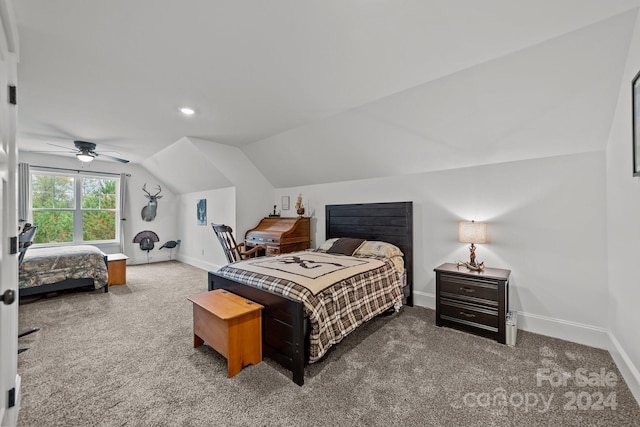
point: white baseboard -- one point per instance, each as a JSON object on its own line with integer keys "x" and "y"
{"x": 628, "y": 370}
{"x": 552, "y": 327}
{"x": 204, "y": 265}
{"x": 580, "y": 333}
{"x": 424, "y": 299}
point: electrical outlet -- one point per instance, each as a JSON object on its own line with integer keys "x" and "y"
{"x": 203, "y": 252}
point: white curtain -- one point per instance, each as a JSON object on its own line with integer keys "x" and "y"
{"x": 23, "y": 192}
{"x": 123, "y": 198}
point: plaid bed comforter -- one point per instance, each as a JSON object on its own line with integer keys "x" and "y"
{"x": 338, "y": 309}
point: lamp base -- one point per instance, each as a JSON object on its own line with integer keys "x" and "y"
{"x": 474, "y": 266}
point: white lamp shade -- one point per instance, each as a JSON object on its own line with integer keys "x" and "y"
{"x": 472, "y": 232}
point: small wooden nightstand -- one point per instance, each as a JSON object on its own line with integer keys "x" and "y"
{"x": 474, "y": 301}
{"x": 117, "y": 267}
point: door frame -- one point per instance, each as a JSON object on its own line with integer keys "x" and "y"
{"x": 9, "y": 378}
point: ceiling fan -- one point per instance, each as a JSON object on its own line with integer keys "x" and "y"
{"x": 86, "y": 152}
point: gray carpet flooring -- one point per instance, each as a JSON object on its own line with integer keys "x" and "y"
{"x": 126, "y": 358}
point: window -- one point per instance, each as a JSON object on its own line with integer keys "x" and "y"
{"x": 74, "y": 208}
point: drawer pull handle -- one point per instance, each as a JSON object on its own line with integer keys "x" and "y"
{"x": 467, "y": 314}
{"x": 468, "y": 290}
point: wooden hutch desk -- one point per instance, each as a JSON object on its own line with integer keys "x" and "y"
{"x": 280, "y": 235}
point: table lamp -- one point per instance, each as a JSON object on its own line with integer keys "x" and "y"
{"x": 472, "y": 232}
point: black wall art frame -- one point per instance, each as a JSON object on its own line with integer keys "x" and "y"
{"x": 635, "y": 108}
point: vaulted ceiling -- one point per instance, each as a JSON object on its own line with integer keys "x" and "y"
{"x": 322, "y": 91}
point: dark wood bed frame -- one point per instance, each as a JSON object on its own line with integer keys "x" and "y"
{"x": 60, "y": 286}
{"x": 284, "y": 325}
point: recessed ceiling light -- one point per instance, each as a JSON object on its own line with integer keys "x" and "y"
{"x": 187, "y": 111}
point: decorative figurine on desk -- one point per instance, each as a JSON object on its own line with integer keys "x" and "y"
{"x": 299, "y": 206}
{"x": 274, "y": 212}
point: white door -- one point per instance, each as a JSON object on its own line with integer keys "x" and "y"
{"x": 9, "y": 379}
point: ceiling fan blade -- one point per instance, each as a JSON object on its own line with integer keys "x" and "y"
{"x": 117, "y": 159}
{"x": 52, "y": 152}
{"x": 42, "y": 136}
{"x": 71, "y": 150}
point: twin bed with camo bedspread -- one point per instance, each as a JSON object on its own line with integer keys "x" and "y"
{"x": 53, "y": 269}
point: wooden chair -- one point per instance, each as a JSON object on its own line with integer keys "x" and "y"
{"x": 233, "y": 250}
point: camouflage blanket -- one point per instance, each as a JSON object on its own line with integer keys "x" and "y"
{"x": 43, "y": 266}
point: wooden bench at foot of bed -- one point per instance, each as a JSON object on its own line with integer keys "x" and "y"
{"x": 283, "y": 324}
{"x": 231, "y": 325}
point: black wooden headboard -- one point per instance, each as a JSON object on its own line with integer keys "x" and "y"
{"x": 388, "y": 222}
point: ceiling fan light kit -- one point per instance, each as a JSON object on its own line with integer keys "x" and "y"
{"x": 85, "y": 157}
{"x": 86, "y": 151}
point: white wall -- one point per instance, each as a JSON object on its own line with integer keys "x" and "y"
{"x": 240, "y": 206}
{"x": 623, "y": 225}
{"x": 181, "y": 156}
{"x": 164, "y": 225}
{"x": 546, "y": 223}
{"x": 253, "y": 192}
{"x": 199, "y": 245}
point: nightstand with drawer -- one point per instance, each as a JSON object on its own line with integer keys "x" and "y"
{"x": 474, "y": 301}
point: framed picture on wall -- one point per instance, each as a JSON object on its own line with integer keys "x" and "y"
{"x": 285, "y": 203}
{"x": 202, "y": 212}
{"x": 635, "y": 108}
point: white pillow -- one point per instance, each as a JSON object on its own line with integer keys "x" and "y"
{"x": 326, "y": 245}
{"x": 375, "y": 248}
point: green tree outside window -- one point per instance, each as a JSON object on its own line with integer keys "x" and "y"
{"x": 57, "y": 214}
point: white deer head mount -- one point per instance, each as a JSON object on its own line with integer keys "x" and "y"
{"x": 149, "y": 211}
